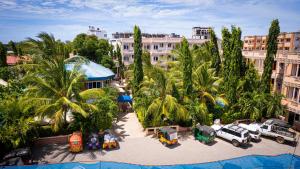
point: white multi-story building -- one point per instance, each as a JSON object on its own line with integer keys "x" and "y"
{"x": 100, "y": 33}
{"x": 159, "y": 47}
{"x": 201, "y": 32}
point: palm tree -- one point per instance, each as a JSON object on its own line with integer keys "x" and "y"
{"x": 206, "y": 86}
{"x": 48, "y": 46}
{"x": 156, "y": 102}
{"x": 53, "y": 92}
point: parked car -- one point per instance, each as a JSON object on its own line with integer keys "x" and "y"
{"x": 253, "y": 131}
{"x": 278, "y": 129}
{"x": 233, "y": 133}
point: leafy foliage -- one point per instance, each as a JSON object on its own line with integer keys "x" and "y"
{"x": 138, "y": 73}
{"x": 274, "y": 31}
{"x": 3, "y": 53}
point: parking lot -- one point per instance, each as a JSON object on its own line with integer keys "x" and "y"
{"x": 139, "y": 149}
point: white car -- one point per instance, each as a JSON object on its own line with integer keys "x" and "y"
{"x": 233, "y": 133}
{"x": 253, "y": 131}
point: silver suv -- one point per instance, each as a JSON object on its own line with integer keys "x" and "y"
{"x": 233, "y": 133}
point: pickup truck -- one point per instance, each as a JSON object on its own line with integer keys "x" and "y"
{"x": 277, "y": 129}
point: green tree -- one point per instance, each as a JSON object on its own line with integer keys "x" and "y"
{"x": 206, "y": 87}
{"x": 138, "y": 73}
{"x": 119, "y": 57}
{"x": 155, "y": 103}
{"x": 3, "y": 53}
{"x": 214, "y": 50}
{"x": 53, "y": 91}
{"x": 274, "y": 31}
{"x": 187, "y": 66}
{"x": 46, "y": 45}
{"x": 13, "y": 47}
{"x": 233, "y": 62}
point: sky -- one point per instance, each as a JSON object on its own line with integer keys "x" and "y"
{"x": 20, "y": 19}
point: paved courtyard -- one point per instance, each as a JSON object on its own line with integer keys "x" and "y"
{"x": 137, "y": 148}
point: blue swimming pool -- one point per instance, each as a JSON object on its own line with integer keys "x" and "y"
{"x": 284, "y": 161}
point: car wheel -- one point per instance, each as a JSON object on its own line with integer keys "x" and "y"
{"x": 235, "y": 143}
{"x": 280, "y": 140}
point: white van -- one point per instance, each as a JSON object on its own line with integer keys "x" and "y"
{"x": 253, "y": 131}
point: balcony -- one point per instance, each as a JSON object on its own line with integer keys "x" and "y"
{"x": 291, "y": 81}
{"x": 291, "y": 104}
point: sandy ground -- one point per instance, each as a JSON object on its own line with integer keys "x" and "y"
{"x": 136, "y": 148}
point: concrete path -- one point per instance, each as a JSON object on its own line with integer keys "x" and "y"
{"x": 128, "y": 126}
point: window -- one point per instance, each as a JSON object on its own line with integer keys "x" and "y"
{"x": 257, "y": 48}
{"x": 286, "y": 48}
{"x": 161, "y": 45}
{"x": 288, "y": 40}
{"x": 155, "y": 58}
{"x": 169, "y": 45}
{"x": 148, "y": 47}
{"x": 258, "y": 41}
{"x": 155, "y": 47}
{"x": 225, "y": 130}
{"x": 281, "y": 40}
{"x": 132, "y": 56}
{"x": 126, "y": 58}
{"x": 263, "y": 41}
{"x": 125, "y": 47}
{"x": 297, "y": 117}
{"x": 262, "y": 48}
{"x": 296, "y": 92}
{"x": 90, "y": 85}
{"x": 264, "y": 127}
{"x": 99, "y": 84}
{"x": 132, "y": 45}
{"x": 94, "y": 84}
{"x": 246, "y": 41}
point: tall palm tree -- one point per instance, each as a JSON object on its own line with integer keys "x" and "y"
{"x": 48, "y": 46}
{"x": 162, "y": 107}
{"x": 206, "y": 85}
{"x": 53, "y": 92}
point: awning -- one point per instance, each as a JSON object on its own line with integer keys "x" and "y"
{"x": 124, "y": 99}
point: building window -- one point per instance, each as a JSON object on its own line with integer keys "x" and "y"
{"x": 263, "y": 41}
{"x": 90, "y": 85}
{"x": 258, "y": 41}
{"x": 297, "y": 117}
{"x": 125, "y": 47}
{"x": 246, "y": 41}
{"x": 286, "y": 48}
{"x": 281, "y": 40}
{"x": 126, "y": 58}
{"x": 155, "y": 47}
{"x": 99, "y": 84}
{"x": 169, "y": 45}
{"x": 155, "y": 58}
{"x": 262, "y": 48}
{"x": 161, "y": 45}
{"x": 132, "y": 56}
{"x": 288, "y": 40}
{"x": 148, "y": 47}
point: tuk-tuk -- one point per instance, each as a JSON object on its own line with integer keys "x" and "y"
{"x": 75, "y": 142}
{"x": 109, "y": 140}
{"x": 167, "y": 136}
{"x": 204, "y": 133}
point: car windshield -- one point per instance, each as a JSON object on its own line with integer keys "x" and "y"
{"x": 246, "y": 134}
{"x": 254, "y": 132}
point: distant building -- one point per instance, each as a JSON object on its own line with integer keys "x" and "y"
{"x": 100, "y": 33}
{"x": 286, "y": 69}
{"x": 159, "y": 46}
{"x": 121, "y": 35}
{"x": 201, "y": 33}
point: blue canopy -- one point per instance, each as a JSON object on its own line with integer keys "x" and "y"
{"x": 92, "y": 70}
{"x": 124, "y": 99}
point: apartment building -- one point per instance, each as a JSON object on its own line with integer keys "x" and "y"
{"x": 201, "y": 32}
{"x": 159, "y": 47}
{"x": 286, "y": 69}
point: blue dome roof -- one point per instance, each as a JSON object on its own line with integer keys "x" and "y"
{"x": 92, "y": 70}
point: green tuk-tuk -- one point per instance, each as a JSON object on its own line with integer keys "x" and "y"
{"x": 204, "y": 133}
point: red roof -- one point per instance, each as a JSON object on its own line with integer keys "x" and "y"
{"x": 12, "y": 60}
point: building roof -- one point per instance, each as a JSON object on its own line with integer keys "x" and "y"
{"x": 92, "y": 70}
{"x": 12, "y": 60}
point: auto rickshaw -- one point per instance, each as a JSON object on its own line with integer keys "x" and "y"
{"x": 75, "y": 142}
{"x": 93, "y": 141}
{"x": 110, "y": 141}
{"x": 204, "y": 133}
{"x": 167, "y": 136}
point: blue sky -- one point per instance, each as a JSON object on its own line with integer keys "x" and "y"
{"x": 20, "y": 19}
